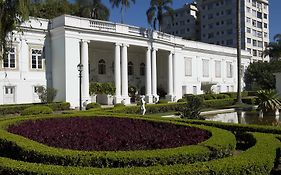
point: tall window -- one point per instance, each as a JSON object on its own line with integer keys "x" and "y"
{"x": 188, "y": 66}
{"x": 10, "y": 61}
{"x": 229, "y": 70}
{"x": 130, "y": 68}
{"x": 142, "y": 69}
{"x": 101, "y": 67}
{"x": 36, "y": 59}
{"x": 218, "y": 69}
{"x": 205, "y": 68}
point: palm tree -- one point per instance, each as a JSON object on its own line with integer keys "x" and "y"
{"x": 268, "y": 100}
{"x": 238, "y": 31}
{"x": 273, "y": 50}
{"x": 125, "y": 4}
{"x": 94, "y": 9}
{"x": 156, "y": 11}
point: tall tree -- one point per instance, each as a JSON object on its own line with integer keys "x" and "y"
{"x": 12, "y": 14}
{"x": 156, "y": 12}
{"x": 51, "y": 8}
{"x": 94, "y": 9}
{"x": 273, "y": 50}
{"x": 125, "y": 4}
{"x": 238, "y": 32}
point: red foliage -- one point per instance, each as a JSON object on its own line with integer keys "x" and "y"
{"x": 108, "y": 134}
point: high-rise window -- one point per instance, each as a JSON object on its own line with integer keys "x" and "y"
{"x": 10, "y": 61}
{"x": 36, "y": 59}
{"x": 259, "y": 24}
{"x": 254, "y": 42}
{"x": 249, "y": 40}
{"x": 248, "y": 30}
{"x": 259, "y": 15}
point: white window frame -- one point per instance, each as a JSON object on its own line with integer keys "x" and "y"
{"x": 218, "y": 69}
{"x": 38, "y": 56}
{"x": 205, "y": 67}
{"x": 229, "y": 69}
{"x": 9, "y": 59}
{"x": 188, "y": 67}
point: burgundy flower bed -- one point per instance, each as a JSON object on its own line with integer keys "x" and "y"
{"x": 108, "y": 134}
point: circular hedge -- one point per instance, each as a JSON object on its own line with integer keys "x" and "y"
{"x": 28, "y": 150}
{"x": 109, "y": 134}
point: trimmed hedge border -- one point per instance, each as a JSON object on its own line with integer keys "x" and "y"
{"x": 258, "y": 159}
{"x": 28, "y": 150}
{"x": 171, "y": 107}
{"x": 17, "y": 109}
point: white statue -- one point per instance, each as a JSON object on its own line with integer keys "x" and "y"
{"x": 143, "y": 105}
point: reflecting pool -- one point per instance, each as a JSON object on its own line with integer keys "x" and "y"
{"x": 244, "y": 117}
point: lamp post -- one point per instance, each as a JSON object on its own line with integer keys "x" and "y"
{"x": 80, "y": 69}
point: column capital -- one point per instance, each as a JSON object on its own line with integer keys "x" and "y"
{"x": 117, "y": 44}
{"x": 154, "y": 49}
{"x": 125, "y": 45}
{"x": 85, "y": 41}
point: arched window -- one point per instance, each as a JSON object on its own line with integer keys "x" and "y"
{"x": 101, "y": 67}
{"x": 130, "y": 68}
{"x": 142, "y": 69}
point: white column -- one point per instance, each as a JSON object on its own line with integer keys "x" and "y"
{"x": 124, "y": 69}
{"x": 154, "y": 74}
{"x": 117, "y": 73}
{"x": 170, "y": 81}
{"x": 85, "y": 72}
{"x": 148, "y": 77}
{"x": 178, "y": 72}
{"x": 174, "y": 74}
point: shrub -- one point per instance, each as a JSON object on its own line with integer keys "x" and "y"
{"x": 162, "y": 101}
{"x": 119, "y": 105}
{"x": 218, "y": 103}
{"x": 93, "y": 106}
{"x": 206, "y": 87}
{"x": 249, "y": 100}
{"x": 181, "y": 100}
{"x": 35, "y": 110}
{"x": 46, "y": 95}
{"x": 102, "y": 88}
{"x": 193, "y": 107}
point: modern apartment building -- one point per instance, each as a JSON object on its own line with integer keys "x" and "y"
{"x": 185, "y": 23}
{"x": 217, "y": 19}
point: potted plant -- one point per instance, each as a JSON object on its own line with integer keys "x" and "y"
{"x": 103, "y": 91}
{"x": 268, "y": 102}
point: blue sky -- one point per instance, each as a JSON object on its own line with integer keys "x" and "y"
{"x": 136, "y": 15}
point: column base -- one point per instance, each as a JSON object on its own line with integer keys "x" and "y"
{"x": 149, "y": 99}
{"x": 170, "y": 98}
{"x": 123, "y": 100}
{"x": 117, "y": 99}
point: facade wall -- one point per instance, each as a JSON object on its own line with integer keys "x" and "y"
{"x": 73, "y": 40}
{"x": 19, "y": 81}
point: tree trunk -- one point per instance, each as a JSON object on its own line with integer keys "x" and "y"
{"x": 238, "y": 33}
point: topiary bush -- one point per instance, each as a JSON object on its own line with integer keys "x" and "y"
{"x": 193, "y": 107}
{"x": 181, "y": 100}
{"x": 93, "y": 106}
{"x": 162, "y": 101}
{"x": 35, "y": 110}
{"x": 119, "y": 105}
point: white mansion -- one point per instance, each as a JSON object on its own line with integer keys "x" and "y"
{"x": 47, "y": 53}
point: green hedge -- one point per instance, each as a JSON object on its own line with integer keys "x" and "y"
{"x": 21, "y": 148}
{"x": 35, "y": 110}
{"x": 18, "y": 108}
{"x": 93, "y": 106}
{"x": 171, "y": 107}
{"x": 258, "y": 159}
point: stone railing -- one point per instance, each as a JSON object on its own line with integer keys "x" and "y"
{"x": 100, "y": 25}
